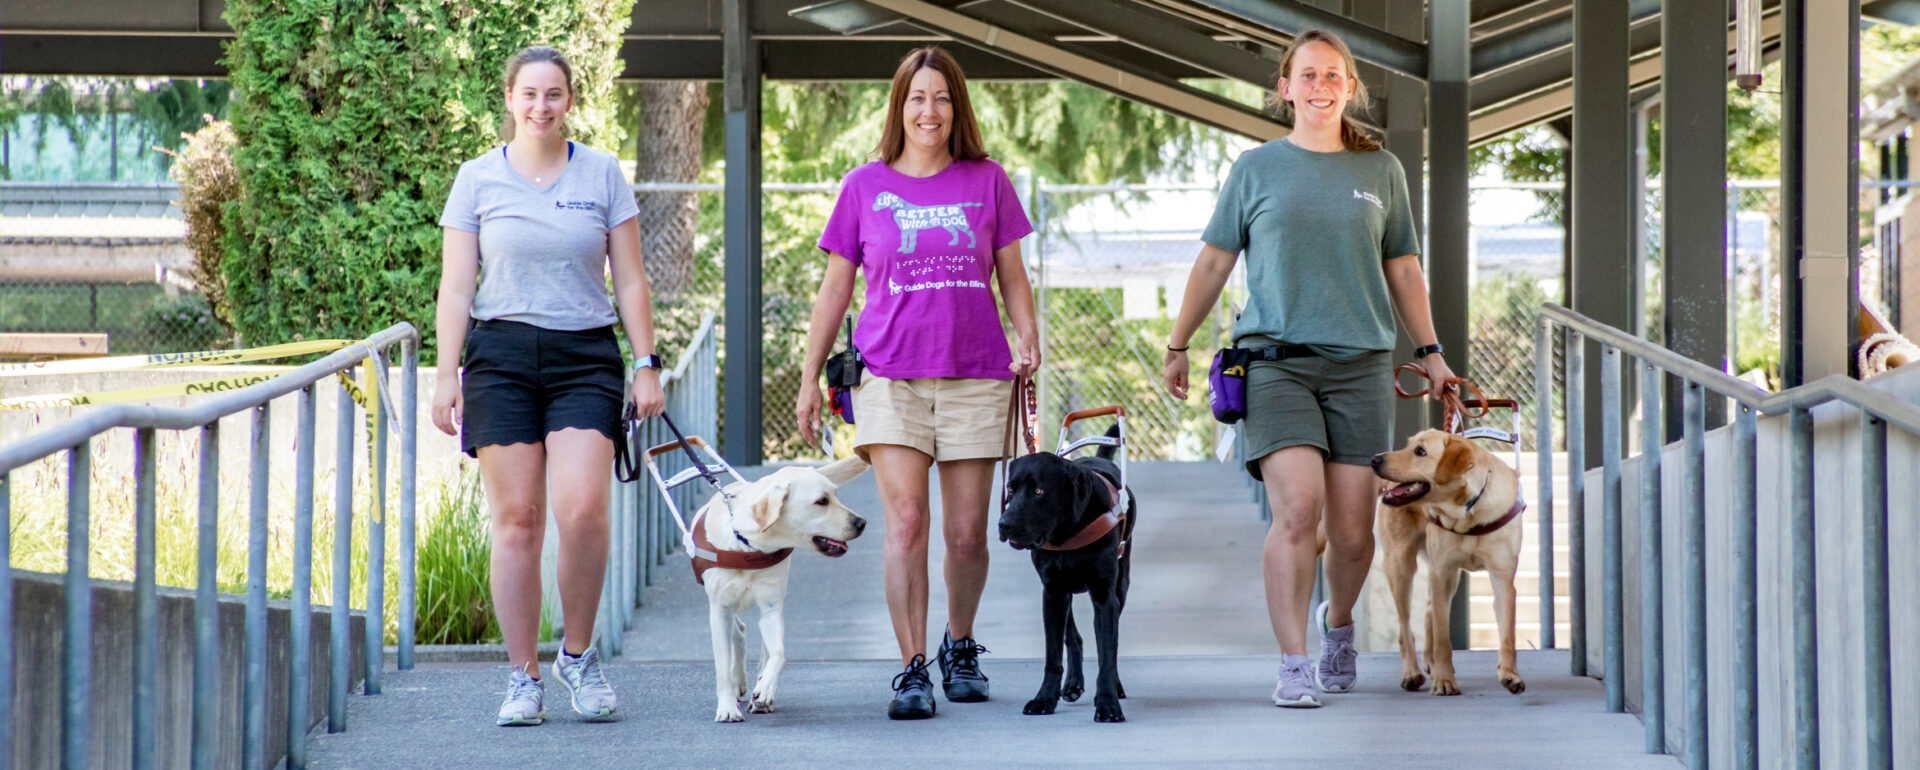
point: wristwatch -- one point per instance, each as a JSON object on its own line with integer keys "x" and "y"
{"x": 1426, "y": 350}
{"x": 648, "y": 361}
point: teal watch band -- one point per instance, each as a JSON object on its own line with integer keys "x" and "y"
{"x": 648, "y": 361}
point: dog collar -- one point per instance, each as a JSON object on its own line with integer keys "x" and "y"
{"x": 1099, "y": 527}
{"x": 706, "y": 557}
{"x": 1519, "y": 504}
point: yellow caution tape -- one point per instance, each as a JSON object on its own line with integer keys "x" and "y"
{"x": 164, "y": 360}
{"x": 202, "y": 387}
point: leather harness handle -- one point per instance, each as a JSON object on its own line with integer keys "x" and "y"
{"x": 1020, "y": 408}
{"x": 1101, "y": 411}
{"x": 672, "y": 445}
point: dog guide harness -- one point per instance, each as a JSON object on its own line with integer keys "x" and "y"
{"x": 706, "y": 557}
{"x": 1099, "y": 527}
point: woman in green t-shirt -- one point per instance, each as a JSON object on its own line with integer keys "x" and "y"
{"x": 1332, "y": 254}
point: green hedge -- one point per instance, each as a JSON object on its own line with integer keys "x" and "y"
{"x": 352, "y": 118}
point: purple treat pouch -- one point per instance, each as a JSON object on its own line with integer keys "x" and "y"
{"x": 1227, "y": 382}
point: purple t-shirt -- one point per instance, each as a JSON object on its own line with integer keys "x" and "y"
{"x": 927, "y": 247}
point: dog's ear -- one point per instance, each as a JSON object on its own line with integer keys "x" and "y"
{"x": 842, "y": 471}
{"x": 766, "y": 510}
{"x": 1455, "y": 460}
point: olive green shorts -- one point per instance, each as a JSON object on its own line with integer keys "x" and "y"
{"x": 1344, "y": 408}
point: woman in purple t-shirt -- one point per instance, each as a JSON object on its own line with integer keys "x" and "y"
{"x": 932, "y": 222}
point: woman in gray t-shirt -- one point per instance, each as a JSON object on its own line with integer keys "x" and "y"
{"x": 538, "y": 224}
{"x": 1324, "y": 220}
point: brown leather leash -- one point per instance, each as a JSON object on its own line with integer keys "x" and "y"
{"x": 1023, "y": 410}
{"x": 1453, "y": 407}
{"x": 1453, "y": 410}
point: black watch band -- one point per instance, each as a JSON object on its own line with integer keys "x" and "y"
{"x": 1426, "y": 350}
{"x": 648, "y": 361}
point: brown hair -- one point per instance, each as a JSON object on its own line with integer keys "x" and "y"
{"x": 963, "y": 142}
{"x": 1352, "y": 136}
{"x": 530, "y": 55}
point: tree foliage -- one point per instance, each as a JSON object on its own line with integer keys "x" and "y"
{"x": 352, "y": 119}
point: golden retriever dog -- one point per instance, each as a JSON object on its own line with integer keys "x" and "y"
{"x": 1461, "y": 504}
{"x": 794, "y": 507}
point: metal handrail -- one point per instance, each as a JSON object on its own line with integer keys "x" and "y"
{"x": 1878, "y": 409}
{"x": 75, "y": 438}
{"x": 1838, "y": 387}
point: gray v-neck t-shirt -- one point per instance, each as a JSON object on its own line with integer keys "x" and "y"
{"x": 543, "y": 249}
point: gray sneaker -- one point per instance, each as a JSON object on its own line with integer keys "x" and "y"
{"x": 593, "y": 698}
{"x": 524, "y": 706}
{"x": 1335, "y": 671}
{"x": 1295, "y": 689}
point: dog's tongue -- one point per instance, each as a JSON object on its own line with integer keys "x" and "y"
{"x": 1404, "y": 493}
{"x": 830, "y": 547}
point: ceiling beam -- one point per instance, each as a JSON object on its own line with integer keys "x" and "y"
{"x": 1147, "y": 88}
{"x": 1369, "y": 43}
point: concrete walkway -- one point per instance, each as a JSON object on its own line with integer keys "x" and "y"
{"x": 1199, "y": 667}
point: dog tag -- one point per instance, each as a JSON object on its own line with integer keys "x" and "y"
{"x": 1225, "y": 449}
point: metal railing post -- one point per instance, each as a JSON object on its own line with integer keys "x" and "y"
{"x": 339, "y": 625}
{"x": 1612, "y": 571}
{"x": 146, "y": 600}
{"x": 206, "y": 605}
{"x": 1543, "y": 463}
{"x": 1653, "y": 681}
{"x": 376, "y": 597}
{"x": 76, "y": 678}
{"x": 300, "y": 620}
{"x": 1878, "y": 659}
{"x": 1746, "y": 639}
{"x": 1575, "y": 352}
{"x": 409, "y": 473}
{"x": 1806, "y": 647}
{"x": 6, "y": 622}
{"x": 254, "y": 709}
{"x": 1694, "y": 542}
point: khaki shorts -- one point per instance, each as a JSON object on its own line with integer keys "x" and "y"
{"x": 946, "y": 418}
{"x": 1345, "y": 409}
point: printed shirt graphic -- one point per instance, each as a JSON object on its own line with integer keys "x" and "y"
{"x": 926, "y": 246}
{"x": 1315, "y": 227}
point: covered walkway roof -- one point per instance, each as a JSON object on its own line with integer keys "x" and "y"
{"x": 1521, "y": 67}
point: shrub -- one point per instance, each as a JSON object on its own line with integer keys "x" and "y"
{"x": 204, "y": 169}
{"x": 351, "y": 121}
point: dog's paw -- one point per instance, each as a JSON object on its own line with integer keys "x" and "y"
{"x": 728, "y": 712}
{"x": 1072, "y": 691}
{"x": 1040, "y": 706}
{"x": 1119, "y": 690}
{"x": 1514, "y": 684}
{"x": 1413, "y": 682}
{"x": 759, "y": 705}
{"x": 1445, "y": 686}
{"x": 1107, "y": 709}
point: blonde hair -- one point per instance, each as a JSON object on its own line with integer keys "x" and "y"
{"x": 1352, "y": 136}
{"x": 530, "y": 55}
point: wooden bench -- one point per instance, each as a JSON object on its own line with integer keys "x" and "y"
{"x": 46, "y": 347}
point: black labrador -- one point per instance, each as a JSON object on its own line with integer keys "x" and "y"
{"x": 1050, "y": 502}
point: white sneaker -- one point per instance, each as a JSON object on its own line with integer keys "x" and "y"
{"x": 592, "y": 697}
{"x": 525, "y": 704}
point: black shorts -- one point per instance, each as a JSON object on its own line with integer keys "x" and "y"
{"x": 522, "y": 382}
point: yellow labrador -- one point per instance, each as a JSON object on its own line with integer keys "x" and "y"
{"x": 1461, "y": 504}
{"x": 791, "y": 508}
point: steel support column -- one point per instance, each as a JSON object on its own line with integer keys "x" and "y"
{"x": 1693, "y": 158}
{"x": 1447, "y": 234}
{"x": 1820, "y": 160}
{"x": 743, "y": 321}
{"x": 1602, "y": 279}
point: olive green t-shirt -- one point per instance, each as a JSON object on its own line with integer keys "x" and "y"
{"x": 1316, "y": 227}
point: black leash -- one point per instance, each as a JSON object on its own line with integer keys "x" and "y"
{"x": 627, "y": 470}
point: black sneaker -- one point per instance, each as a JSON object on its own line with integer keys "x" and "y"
{"x": 960, "y": 669}
{"x": 912, "y": 692}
